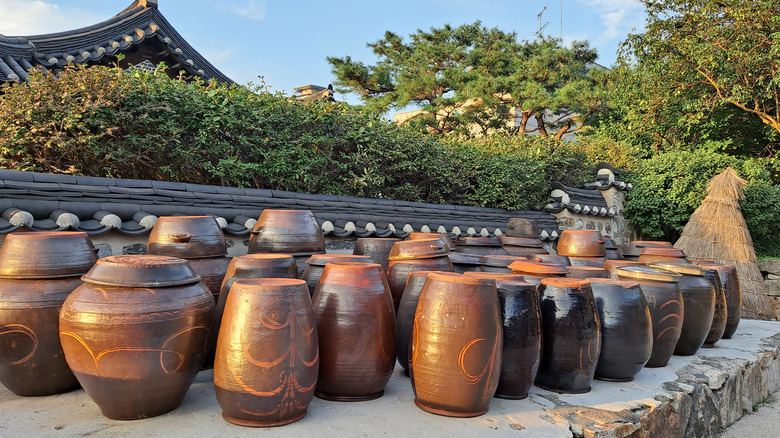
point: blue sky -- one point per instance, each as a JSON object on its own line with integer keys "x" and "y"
{"x": 287, "y": 41}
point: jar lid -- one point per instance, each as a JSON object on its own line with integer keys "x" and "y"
{"x": 533, "y": 267}
{"x": 463, "y": 258}
{"x": 187, "y": 237}
{"x": 141, "y": 270}
{"x": 520, "y": 241}
{"x": 668, "y": 252}
{"x": 418, "y": 249}
{"x": 499, "y": 260}
{"x": 324, "y": 259}
{"x": 635, "y": 247}
{"x": 46, "y": 254}
{"x": 444, "y": 238}
{"x": 680, "y": 268}
{"x": 648, "y": 273}
{"x": 478, "y": 241}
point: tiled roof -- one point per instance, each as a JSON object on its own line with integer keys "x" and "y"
{"x": 608, "y": 177}
{"x": 40, "y": 201}
{"x": 140, "y": 24}
{"x": 589, "y": 199}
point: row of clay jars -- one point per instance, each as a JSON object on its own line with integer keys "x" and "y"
{"x": 731, "y": 290}
{"x": 38, "y": 271}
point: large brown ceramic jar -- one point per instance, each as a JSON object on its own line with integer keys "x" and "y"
{"x": 519, "y": 305}
{"x": 479, "y": 245}
{"x": 288, "y": 232}
{"x": 653, "y": 255}
{"x": 316, "y": 264}
{"x": 247, "y": 267}
{"x": 581, "y": 243}
{"x": 499, "y": 263}
{"x": 356, "y": 328}
{"x": 187, "y": 237}
{"x": 586, "y": 272}
{"x": 268, "y": 357}
{"x": 733, "y": 292}
{"x": 376, "y": 248}
{"x": 456, "y": 345}
{"x": 405, "y": 317}
{"x": 415, "y": 255}
{"x": 521, "y": 246}
{"x": 462, "y": 262}
{"x": 37, "y": 273}
{"x": 135, "y": 333}
{"x": 699, "y": 306}
{"x": 718, "y": 326}
{"x": 635, "y": 247}
{"x": 665, "y": 302}
{"x": 535, "y": 271}
{"x": 571, "y": 335}
{"x": 612, "y": 266}
{"x": 626, "y": 329}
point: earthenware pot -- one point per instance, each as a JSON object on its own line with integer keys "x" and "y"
{"x": 581, "y": 243}
{"x": 268, "y": 357}
{"x": 187, "y": 237}
{"x": 652, "y": 255}
{"x": 665, "y": 302}
{"x": 613, "y": 251}
{"x": 456, "y": 345}
{"x": 496, "y": 276}
{"x": 316, "y": 264}
{"x": 31, "y": 359}
{"x": 521, "y": 246}
{"x": 288, "y": 232}
{"x": 376, "y": 248}
{"x": 612, "y": 266}
{"x": 479, "y": 245}
{"x": 720, "y": 316}
{"x": 135, "y": 333}
{"x": 635, "y": 247}
{"x": 595, "y": 262}
{"x": 247, "y": 267}
{"x": 356, "y": 330}
{"x": 732, "y": 291}
{"x": 571, "y": 335}
{"x": 699, "y": 306}
{"x": 418, "y": 249}
{"x": 404, "y": 320}
{"x": 398, "y": 273}
{"x": 626, "y": 329}
{"x": 426, "y": 236}
{"x": 534, "y": 271}
{"x": 498, "y": 263}
{"x": 519, "y": 305}
{"x": 586, "y": 272}
{"x": 462, "y": 262}
{"x": 555, "y": 259}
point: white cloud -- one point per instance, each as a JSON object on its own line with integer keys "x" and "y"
{"x": 25, "y": 17}
{"x": 618, "y": 16}
{"x": 250, "y": 9}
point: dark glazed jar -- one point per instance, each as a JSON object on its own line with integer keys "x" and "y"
{"x": 654, "y": 255}
{"x": 316, "y": 264}
{"x": 456, "y": 345}
{"x": 586, "y": 272}
{"x": 479, "y": 245}
{"x": 699, "y": 306}
{"x": 405, "y": 317}
{"x": 246, "y": 267}
{"x": 571, "y": 335}
{"x": 626, "y": 329}
{"x": 288, "y": 232}
{"x": 187, "y": 237}
{"x": 521, "y": 246}
{"x": 522, "y": 346}
{"x": 268, "y": 357}
{"x": 135, "y": 333}
{"x": 595, "y": 262}
{"x": 613, "y": 251}
{"x": 635, "y": 247}
{"x": 612, "y": 266}
{"x": 376, "y": 248}
{"x": 665, "y": 302}
{"x": 38, "y": 271}
{"x": 718, "y": 326}
{"x": 462, "y": 262}
{"x": 733, "y": 292}
{"x": 356, "y": 329}
{"x": 399, "y": 270}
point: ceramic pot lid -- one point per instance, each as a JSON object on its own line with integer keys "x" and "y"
{"x": 538, "y": 268}
{"x": 648, "y": 273}
{"x": 141, "y": 270}
{"x": 46, "y": 254}
{"x": 418, "y": 249}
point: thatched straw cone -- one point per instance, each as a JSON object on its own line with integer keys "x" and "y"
{"x": 717, "y": 232}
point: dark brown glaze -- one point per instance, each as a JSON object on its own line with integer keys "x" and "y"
{"x": 398, "y": 273}
{"x": 242, "y": 268}
{"x": 587, "y": 272}
{"x": 404, "y": 320}
{"x": 522, "y": 346}
{"x": 520, "y": 246}
{"x": 733, "y": 292}
{"x": 614, "y": 252}
{"x": 187, "y": 237}
{"x": 571, "y": 335}
{"x": 596, "y": 262}
{"x": 653, "y": 255}
{"x": 581, "y": 243}
{"x": 136, "y": 349}
{"x": 456, "y": 345}
{"x": 356, "y": 325}
{"x": 720, "y": 316}
{"x": 268, "y": 357}
{"x": 699, "y": 306}
{"x": 479, "y": 245}
{"x": 498, "y": 262}
{"x": 316, "y": 264}
{"x": 46, "y": 254}
{"x": 442, "y": 236}
{"x": 31, "y": 359}
{"x": 635, "y": 247}
{"x": 288, "y": 232}
{"x": 462, "y": 262}
{"x": 626, "y": 329}
{"x": 418, "y": 249}
{"x": 376, "y": 248}
{"x": 534, "y": 270}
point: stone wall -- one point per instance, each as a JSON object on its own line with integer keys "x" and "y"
{"x": 770, "y": 269}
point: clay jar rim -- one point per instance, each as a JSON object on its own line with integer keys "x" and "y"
{"x": 255, "y": 262}
{"x": 418, "y": 249}
{"x": 324, "y": 259}
{"x": 16, "y": 249}
{"x": 680, "y": 268}
{"x": 270, "y": 284}
{"x": 536, "y": 268}
{"x": 640, "y": 272}
{"x": 425, "y": 236}
{"x": 564, "y": 282}
{"x": 667, "y": 252}
{"x": 628, "y": 284}
{"x": 351, "y": 274}
{"x": 521, "y": 241}
{"x": 635, "y": 247}
{"x": 148, "y": 270}
{"x": 422, "y": 273}
{"x": 453, "y": 277}
{"x": 498, "y": 277}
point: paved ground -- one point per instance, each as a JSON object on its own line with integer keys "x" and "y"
{"x": 761, "y": 423}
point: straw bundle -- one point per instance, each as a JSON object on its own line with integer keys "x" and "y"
{"x": 717, "y": 232}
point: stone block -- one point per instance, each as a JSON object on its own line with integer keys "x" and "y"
{"x": 136, "y": 248}
{"x": 705, "y": 416}
{"x": 771, "y": 266}
{"x": 772, "y": 287}
{"x": 104, "y": 250}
